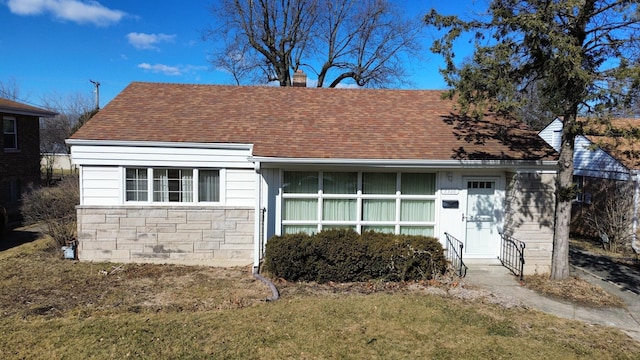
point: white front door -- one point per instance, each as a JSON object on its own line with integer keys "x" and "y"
{"x": 481, "y": 219}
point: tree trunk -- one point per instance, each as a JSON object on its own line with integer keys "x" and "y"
{"x": 565, "y": 193}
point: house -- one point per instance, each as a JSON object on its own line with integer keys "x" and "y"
{"x": 20, "y": 151}
{"x": 601, "y": 163}
{"x": 205, "y": 174}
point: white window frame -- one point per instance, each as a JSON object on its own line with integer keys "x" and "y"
{"x": 360, "y": 197}
{"x": 14, "y": 133}
{"x": 195, "y": 184}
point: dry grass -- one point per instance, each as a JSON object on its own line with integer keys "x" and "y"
{"x": 53, "y": 308}
{"x": 38, "y": 282}
{"x": 574, "y": 290}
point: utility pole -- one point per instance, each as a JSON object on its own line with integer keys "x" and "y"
{"x": 97, "y": 85}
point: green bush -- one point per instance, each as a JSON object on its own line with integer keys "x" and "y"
{"x": 55, "y": 208}
{"x": 344, "y": 255}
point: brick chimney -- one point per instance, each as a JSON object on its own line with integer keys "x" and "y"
{"x": 299, "y": 79}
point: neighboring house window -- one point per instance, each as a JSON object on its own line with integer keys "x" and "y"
{"x": 10, "y": 131}
{"x": 401, "y": 203}
{"x": 172, "y": 185}
{"x": 12, "y": 191}
{"x": 581, "y": 196}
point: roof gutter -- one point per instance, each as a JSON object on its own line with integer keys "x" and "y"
{"x": 19, "y": 111}
{"x": 391, "y": 163}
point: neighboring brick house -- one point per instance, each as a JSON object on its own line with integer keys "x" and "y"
{"x": 202, "y": 174}
{"x": 19, "y": 151}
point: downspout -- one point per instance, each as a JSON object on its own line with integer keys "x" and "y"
{"x": 636, "y": 200}
{"x": 256, "y": 221}
{"x": 257, "y": 243}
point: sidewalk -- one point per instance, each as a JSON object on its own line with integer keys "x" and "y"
{"x": 500, "y": 281}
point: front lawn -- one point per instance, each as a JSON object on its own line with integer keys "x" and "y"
{"x": 54, "y": 308}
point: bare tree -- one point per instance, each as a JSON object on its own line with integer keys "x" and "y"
{"x": 53, "y": 132}
{"x": 338, "y": 40}
{"x": 611, "y": 215}
{"x": 10, "y": 89}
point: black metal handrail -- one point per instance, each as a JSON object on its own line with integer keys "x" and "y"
{"x": 512, "y": 254}
{"x": 454, "y": 254}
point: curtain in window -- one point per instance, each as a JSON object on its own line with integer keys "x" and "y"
{"x": 340, "y": 183}
{"x": 301, "y": 182}
{"x": 186, "y": 185}
{"x": 418, "y": 184}
{"x": 173, "y": 185}
{"x": 417, "y": 230}
{"x": 339, "y": 209}
{"x": 417, "y": 210}
{"x": 160, "y": 185}
{"x": 378, "y": 210}
{"x": 379, "y": 183}
{"x": 331, "y": 227}
{"x": 380, "y": 229}
{"x": 300, "y": 209}
{"x": 294, "y": 229}
{"x": 209, "y": 185}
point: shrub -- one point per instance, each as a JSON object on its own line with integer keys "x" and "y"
{"x": 344, "y": 255}
{"x": 54, "y": 207}
{"x": 611, "y": 215}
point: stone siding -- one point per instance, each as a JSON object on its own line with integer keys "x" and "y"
{"x": 172, "y": 234}
{"x": 530, "y": 207}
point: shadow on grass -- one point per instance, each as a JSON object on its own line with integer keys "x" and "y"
{"x": 18, "y": 236}
{"x": 625, "y": 276}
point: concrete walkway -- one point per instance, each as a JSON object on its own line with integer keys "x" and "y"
{"x": 501, "y": 281}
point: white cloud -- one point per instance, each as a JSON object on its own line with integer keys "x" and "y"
{"x": 78, "y": 11}
{"x": 170, "y": 70}
{"x": 148, "y": 41}
{"x": 161, "y": 68}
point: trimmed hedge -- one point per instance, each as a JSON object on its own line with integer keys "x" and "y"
{"x": 344, "y": 256}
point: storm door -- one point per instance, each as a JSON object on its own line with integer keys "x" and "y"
{"x": 481, "y": 219}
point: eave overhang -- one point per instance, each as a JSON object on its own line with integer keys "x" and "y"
{"x": 271, "y": 162}
{"x": 18, "y": 111}
{"x": 160, "y": 144}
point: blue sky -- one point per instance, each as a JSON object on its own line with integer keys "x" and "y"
{"x": 57, "y": 46}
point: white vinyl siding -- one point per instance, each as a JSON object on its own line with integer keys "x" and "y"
{"x": 552, "y": 134}
{"x": 240, "y": 187}
{"x": 587, "y": 160}
{"x": 100, "y": 185}
{"x": 159, "y": 156}
{"x": 596, "y": 162}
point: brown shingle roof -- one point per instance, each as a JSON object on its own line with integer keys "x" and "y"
{"x": 312, "y": 123}
{"x": 625, "y": 149}
{"x": 13, "y": 107}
